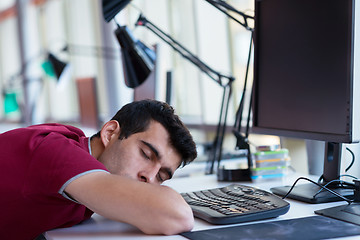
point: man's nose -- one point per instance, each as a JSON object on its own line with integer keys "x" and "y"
{"x": 149, "y": 173}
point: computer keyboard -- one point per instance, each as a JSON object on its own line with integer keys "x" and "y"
{"x": 235, "y": 204}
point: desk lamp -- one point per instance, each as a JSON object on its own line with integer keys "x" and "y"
{"x": 112, "y": 7}
{"x": 215, "y": 154}
{"x": 51, "y": 65}
{"x": 137, "y": 58}
{"x": 57, "y": 67}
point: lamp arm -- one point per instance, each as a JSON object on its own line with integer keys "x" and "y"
{"x": 97, "y": 51}
{"x": 213, "y": 74}
{"x": 225, "y": 7}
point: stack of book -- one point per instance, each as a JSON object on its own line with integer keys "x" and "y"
{"x": 270, "y": 162}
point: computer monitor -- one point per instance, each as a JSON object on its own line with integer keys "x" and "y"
{"x": 306, "y": 83}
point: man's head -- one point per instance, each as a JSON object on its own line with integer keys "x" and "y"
{"x": 136, "y": 116}
{"x": 145, "y": 121}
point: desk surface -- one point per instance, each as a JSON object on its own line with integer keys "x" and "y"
{"x": 101, "y": 228}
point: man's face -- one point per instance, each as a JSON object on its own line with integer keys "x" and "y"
{"x": 146, "y": 156}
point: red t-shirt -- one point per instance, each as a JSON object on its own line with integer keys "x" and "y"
{"x": 36, "y": 163}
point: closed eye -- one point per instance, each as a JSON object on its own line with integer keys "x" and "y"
{"x": 160, "y": 179}
{"x": 145, "y": 155}
{"x": 164, "y": 174}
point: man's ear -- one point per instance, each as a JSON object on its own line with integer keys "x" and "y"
{"x": 109, "y": 131}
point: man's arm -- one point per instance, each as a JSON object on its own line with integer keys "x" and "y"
{"x": 154, "y": 209}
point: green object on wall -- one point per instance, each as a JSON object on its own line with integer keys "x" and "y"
{"x": 10, "y": 103}
{"x": 48, "y": 68}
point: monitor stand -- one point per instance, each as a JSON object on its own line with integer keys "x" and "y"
{"x": 348, "y": 213}
{"x": 310, "y": 192}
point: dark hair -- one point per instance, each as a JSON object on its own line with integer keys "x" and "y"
{"x": 135, "y": 117}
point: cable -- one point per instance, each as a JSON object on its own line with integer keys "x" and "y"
{"x": 352, "y": 186}
{"x": 347, "y": 175}
{"x": 352, "y": 161}
{"x": 349, "y": 201}
{"x": 320, "y": 179}
{"x": 339, "y": 180}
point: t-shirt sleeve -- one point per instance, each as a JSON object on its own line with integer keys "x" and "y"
{"x": 62, "y": 189}
{"x": 55, "y": 161}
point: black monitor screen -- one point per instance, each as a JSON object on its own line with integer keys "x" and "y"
{"x": 303, "y": 68}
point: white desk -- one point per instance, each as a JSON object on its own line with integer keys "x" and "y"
{"x": 100, "y": 228}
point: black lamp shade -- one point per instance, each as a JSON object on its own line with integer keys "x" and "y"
{"x": 113, "y": 7}
{"x": 138, "y": 60}
{"x": 58, "y": 66}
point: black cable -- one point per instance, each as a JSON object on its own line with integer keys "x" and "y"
{"x": 341, "y": 181}
{"x": 320, "y": 179}
{"x": 349, "y": 201}
{"x": 352, "y": 160}
{"x": 347, "y": 175}
{"x": 351, "y": 185}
